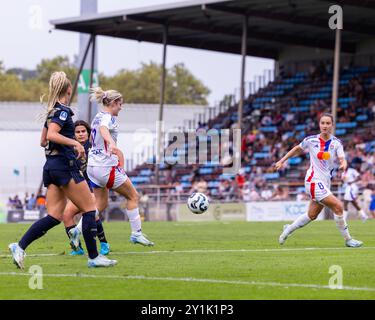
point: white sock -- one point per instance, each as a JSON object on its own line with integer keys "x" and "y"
{"x": 301, "y": 221}
{"x": 345, "y": 214}
{"x": 134, "y": 219}
{"x": 342, "y": 226}
{"x": 79, "y": 225}
{"x": 363, "y": 214}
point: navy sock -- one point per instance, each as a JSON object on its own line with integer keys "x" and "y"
{"x": 101, "y": 234}
{"x": 89, "y": 233}
{"x": 67, "y": 233}
{"x": 37, "y": 230}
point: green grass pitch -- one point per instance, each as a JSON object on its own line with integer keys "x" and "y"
{"x": 195, "y": 261}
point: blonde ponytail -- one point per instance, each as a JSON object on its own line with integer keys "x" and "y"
{"x": 102, "y": 97}
{"x": 58, "y": 85}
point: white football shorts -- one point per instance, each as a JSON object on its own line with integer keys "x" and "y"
{"x": 351, "y": 192}
{"x": 317, "y": 190}
{"x": 106, "y": 177}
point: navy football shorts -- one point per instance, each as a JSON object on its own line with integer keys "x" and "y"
{"x": 60, "y": 177}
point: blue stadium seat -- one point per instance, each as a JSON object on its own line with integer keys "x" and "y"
{"x": 346, "y": 125}
{"x": 261, "y": 155}
{"x": 271, "y": 176}
{"x": 268, "y": 129}
{"x": 204, "y": 171}
{"x": 295, "y": 161}
{"x": 213, "y": 184}
{"x": 361, "y": 117}
{"x": 340, "y": 132}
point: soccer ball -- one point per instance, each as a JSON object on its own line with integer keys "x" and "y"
{"x": 198, "y": 203}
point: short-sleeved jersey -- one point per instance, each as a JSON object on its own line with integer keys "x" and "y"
{"x": 61, "y": 157}
{"x": 350, "y": 175}
{"x": 323, "y": 157}
{"x": 99, "y": 154}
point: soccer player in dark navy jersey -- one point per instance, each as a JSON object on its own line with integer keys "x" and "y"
{"x": 62, "y": 177}
{"x": 82, "y": 133}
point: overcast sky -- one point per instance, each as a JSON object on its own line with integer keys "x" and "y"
{"x": 23, "y": 43}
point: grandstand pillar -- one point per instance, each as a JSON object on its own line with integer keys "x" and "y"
{"x": 93, "y": 49}
{"x": 87, "y": 7}
{"x": 243, "y": 52}
{"x": 75, "y": 84}
{"x": 336, "y": 75}
{"x": 159, "y": 144}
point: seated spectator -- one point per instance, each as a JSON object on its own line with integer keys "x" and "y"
{"x": 226, "y": 190}
{"x": 241, "y": 178}
{"x": 200, "y": 186}
{"x": 266, "y": 194}
{"x": 302, "y": 196}
{"x": 281, "y": 193}
{"x": 249, "y": 193}
{"x": 17, "y": 203}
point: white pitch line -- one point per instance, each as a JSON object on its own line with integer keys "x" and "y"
{"x": 196, "y": 280}
{"x": 205, "y": 251}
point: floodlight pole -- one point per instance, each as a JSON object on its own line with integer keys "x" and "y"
{"x": 243, "y": 65}
{"x": 75, "y": 84}
{"x": 159, "y": 142}
{"x": 336, "y": 75}
{"x": 93, "y": 37}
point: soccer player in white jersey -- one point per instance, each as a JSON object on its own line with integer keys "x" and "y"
{"x": 324, "y": 149}
{"x": 350, "y": 177}
{"x": 105, "y": 161}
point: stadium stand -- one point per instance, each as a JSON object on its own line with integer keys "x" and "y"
{"x": 276, "y": 118}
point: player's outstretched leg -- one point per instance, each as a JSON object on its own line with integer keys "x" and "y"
{"x": 336, "y": 206}
{"x": 84, "y": 201}
{"x": 128, "y": 191}
{"x": 38, "y": 229}
{"x": 313, "y": 212}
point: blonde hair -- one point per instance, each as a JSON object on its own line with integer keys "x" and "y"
{"x": 104, "y": 97}
{"x": 58, "y": 86}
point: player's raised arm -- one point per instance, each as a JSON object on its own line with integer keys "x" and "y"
{"x": 343, "y": 164}
{"x": 297, "y": 150}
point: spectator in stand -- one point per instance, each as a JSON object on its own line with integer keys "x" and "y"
{"x": 40, "y": 201}
{"x": 26, "y": 199}
{"x": 226, "y": 190}
{"x": 266, "y": 194}
{"x": 200, "y": 186}
{"x": 281, "y": 193}
{"x": 249, "y": 193}
{"x": 31, "y": 203}
{"x": 302, "y": 196}
{"x": 17, "y": 203}
{"x": 241, "y": 178}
